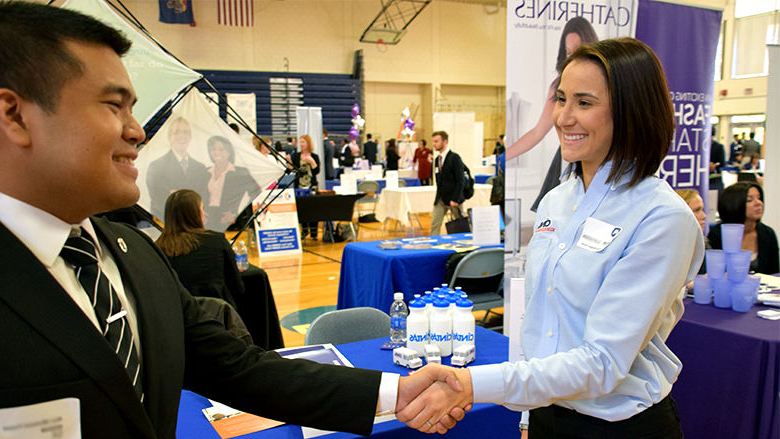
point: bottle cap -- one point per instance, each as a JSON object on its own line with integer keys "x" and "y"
{"x": 416, "y": 303}
{"x": 439, "y": 303}
{"x": 465, "y": 303}
{"x": 398, "y": 296}
{"x": 428, "y": 299}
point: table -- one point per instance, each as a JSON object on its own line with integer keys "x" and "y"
{"x": 729, "y": 384}
{"x": 482, "y": 178}
{"x": 496, "y": 420}
{"x": 399, "y": 203}
{"x": 370, "y": 275}
{"x": 330, "y": 184}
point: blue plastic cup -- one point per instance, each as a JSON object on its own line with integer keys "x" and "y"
{"x": 731, "y": 237}
{"x": 716, "y": 264}
{"x": 743, "y": 295}
{"x": 702, "y": 290}
{"x": 722, "y": 289}
{"x": 738, "y": 265}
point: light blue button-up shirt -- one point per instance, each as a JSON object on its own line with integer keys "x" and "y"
{"x": 597, "y": 318}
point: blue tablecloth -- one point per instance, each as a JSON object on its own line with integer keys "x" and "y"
{"x": 329, "y": 184}
{"x": 482, "y": 178}
{"x": 498, "y": 421}
{"x": 370, "y": 275}
{"x": 730, "y": 383}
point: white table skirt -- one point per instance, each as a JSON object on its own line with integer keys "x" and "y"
{"x": 399, "y": 203}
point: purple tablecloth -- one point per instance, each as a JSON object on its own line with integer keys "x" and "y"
{"x": 730, "y": 383}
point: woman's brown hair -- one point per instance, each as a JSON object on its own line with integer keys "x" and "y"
{"x": 183, "y": 223}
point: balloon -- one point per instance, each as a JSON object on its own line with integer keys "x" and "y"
{"x": 355, "y": 110}
{"x": 358, "y": 121}
{"x": 405, "y": 113}
{"x": 353, "y": 133}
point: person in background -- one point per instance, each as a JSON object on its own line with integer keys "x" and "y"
{"x": 737, "y": 159}
{"x": 309, "y": 164}
{"x": 576, "y": 31}
{"x": 423, "y": 159}
{"x": 750, "y": 147}
{"x": 391, "y": 156}
{"x": 291, "y": 147}
{"x": 449, "y": 172}
{"x": 600, "y": 302}
{"x": 369, "y": 149}
{"x": 753, "y": 164}
{"x": 694, "y": 201}
{"x": 500, "y": 148}
{"x": 330, "y": 151}
{"x": 227, "y": 186}
{"x": 743, "y": 203}
{"x": 202, "y": 258}
{"x": 717, "y": 155}
{"x": 734, "y": 148}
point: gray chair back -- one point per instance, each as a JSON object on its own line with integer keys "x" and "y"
{"x": 348, "y": 325}
{"x": 368, "y": 186}
{"x": 487, "y": 264}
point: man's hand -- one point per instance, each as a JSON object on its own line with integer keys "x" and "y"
{"x": 453, "y": 204}
{"x": 439, "y": 404}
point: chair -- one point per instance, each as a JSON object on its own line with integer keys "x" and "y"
{"x": 347, "y": 326}
{"x": 490, "y": 180}
{"x": 480, "y": 274}
{"x": 371, "y": 189}
{"x": 401, "y": 182}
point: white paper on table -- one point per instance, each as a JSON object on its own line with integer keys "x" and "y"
{"x": 485, "y": 225}
{"x": 376, "y": 172}
{"x": 334, "y": 163}
{"x": 59, "y": 418}
{"x": 348, "y": 183}
{"x": 772, "y": 282}
{"x": 391, "y": 180}
{"x": 514, "y": 301}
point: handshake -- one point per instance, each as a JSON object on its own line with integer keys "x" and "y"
{"x": 434, "y": 398}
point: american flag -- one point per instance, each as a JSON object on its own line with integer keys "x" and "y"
{"x": 236, "y": 12}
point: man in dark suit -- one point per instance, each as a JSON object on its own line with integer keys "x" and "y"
{"x": 329, "y": 149}
{"x": 176, "y": 169}
{"x": 67, "y": 141}
{"x": 449, "y": 182}
{"x": 369, "y": 149}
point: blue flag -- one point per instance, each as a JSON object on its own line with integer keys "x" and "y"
{"x": 176, "y": 11}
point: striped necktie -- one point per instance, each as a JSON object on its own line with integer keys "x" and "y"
{"x": 79, "y": 251}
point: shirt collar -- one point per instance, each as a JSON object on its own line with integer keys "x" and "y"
{"x": 601, "y": 174}
{"x": 43, "y": 233}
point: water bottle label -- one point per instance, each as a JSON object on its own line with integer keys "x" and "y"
{"x": 463, "y": 337}
{"x": 445, "y": 337}
{"x": 419, "y": 338}
{"x": 398, "y": 323}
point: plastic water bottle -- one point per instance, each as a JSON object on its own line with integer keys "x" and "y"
{"x": 398, "y": 314}
{"x": 242, "y": 256}
{"x": 417, "y": 327}
{"x": 428, "y": 299}
{"x": 441, "y": 327}
{"x": 463, "y": 324}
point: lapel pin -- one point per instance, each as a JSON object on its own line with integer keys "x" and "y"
{"x": 122, "y": 245}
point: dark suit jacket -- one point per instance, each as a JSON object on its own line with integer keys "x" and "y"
{"x": 369, "y": 151}
{"x": 165, "y": 176}
{"x": 237, "y": 183}
{"x": 450, "y": 180}
{"x": 767, "y": 260}
{"x": 330, "y": 151}
{"x": 717, "y": 155}
{"x": 51, "y": 350}
{"x": 210, "y": 270}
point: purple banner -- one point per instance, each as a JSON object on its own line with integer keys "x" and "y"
{"x": 685, "y": 39}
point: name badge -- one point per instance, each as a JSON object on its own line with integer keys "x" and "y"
{"x": 597, "y": 235}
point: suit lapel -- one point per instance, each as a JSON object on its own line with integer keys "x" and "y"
{"x": 31, "y": 291}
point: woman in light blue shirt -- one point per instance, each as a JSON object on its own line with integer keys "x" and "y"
{"x": 612, "y": 249}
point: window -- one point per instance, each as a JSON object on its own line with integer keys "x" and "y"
{"x": 757, "y": 23}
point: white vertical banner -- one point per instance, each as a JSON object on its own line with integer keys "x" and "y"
{"x": 245, "y": 105}
{"x": 539, "y": 37}
{"x": 460, "y": 127}
{"x": 309, "y": 121}
{"x": 772, "y": 142}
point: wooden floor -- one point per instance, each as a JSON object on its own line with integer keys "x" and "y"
{"x": 312, "y": 279}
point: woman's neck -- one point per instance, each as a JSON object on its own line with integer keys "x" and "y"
{"x": 220, "y": 168}
{"x": 750, "y": 225}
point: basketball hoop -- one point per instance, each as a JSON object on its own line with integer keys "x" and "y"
{"x": 381, "y": 46}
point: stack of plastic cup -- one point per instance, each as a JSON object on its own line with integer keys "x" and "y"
{"x": 716, "y": 269}
{"x": 702, "y": 290}
{"x": 736, "y": 290}
{"x": 743, "y": 294}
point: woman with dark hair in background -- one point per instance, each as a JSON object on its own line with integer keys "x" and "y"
{"x": 391, "y": 156}
{"x": 743, "y": 203}
{"x": 423, "y": 156}
{"x": 576, "y": 32}
{"x": 600, "y": 301}
{"x": 227, "y": 186}
{"x": 202, "y": 258}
